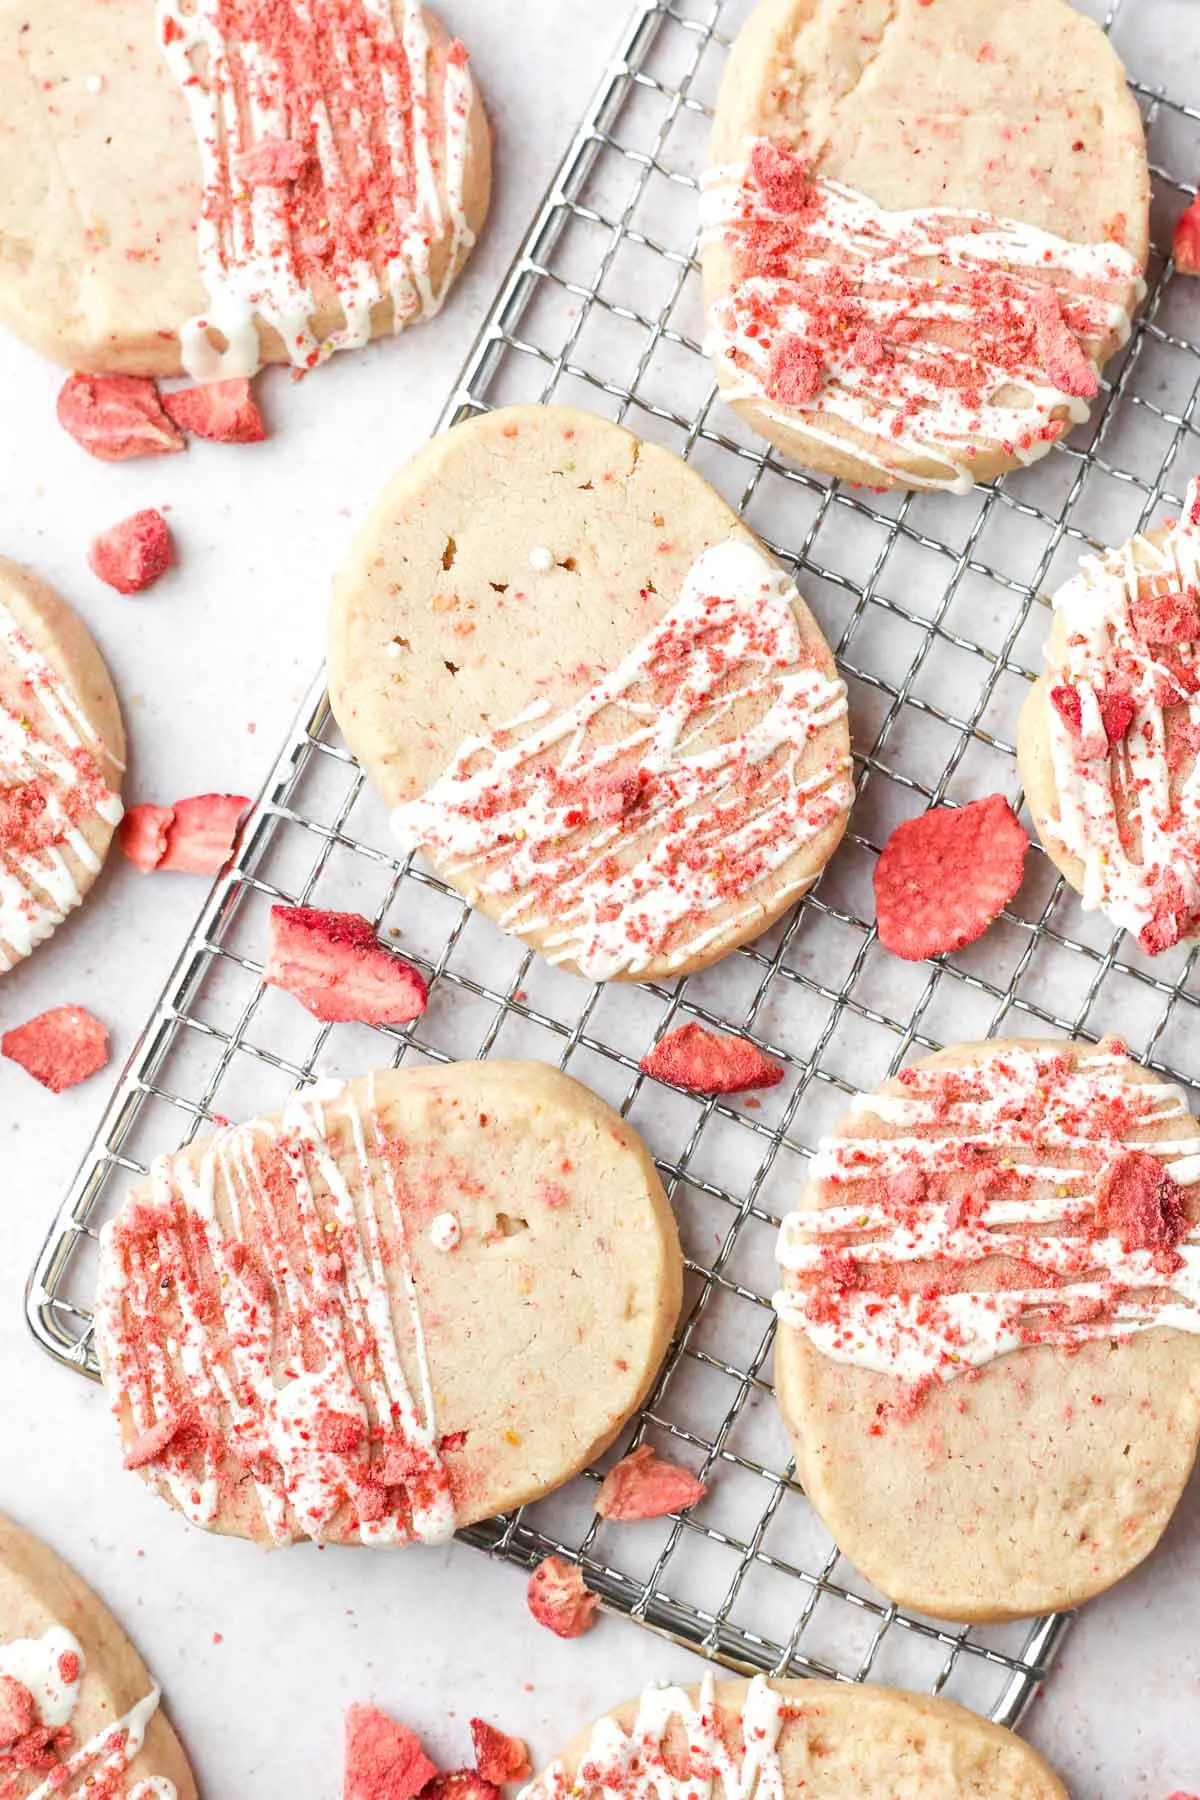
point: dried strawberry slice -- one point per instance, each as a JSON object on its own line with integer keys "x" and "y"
{"x": 1068, "y": 704}
{"x": 226, "y": 412}
{"x": 116, "y": 417}
{"x": 59, "y": 1048}
{"x": 1185, "y": 243}
{"x": 644, "y": 1485}
{"x": 1140, "y": 1204}
{"x": 1166, "y": 615}
{"x": 1060, "y": 350}
{"x": 333, "y": 963}
{"x": 708, "y": 1062}
{"x": 498, "y": 1757}
{"x": 201, "y": 836}
{"x": 384, "y": 1759}
{"x": 142, "y": 835}
{"x": 559, "y": 1599}
{"x": 132, "y": 555}
{"x": 943, "y": 877}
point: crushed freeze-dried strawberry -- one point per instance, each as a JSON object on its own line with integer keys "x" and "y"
{"x": 142, "y": 835}
{"x": 1139, "y": 1203}
{"x": 1185, "y": 242}
{"x": 333, "y": 963}
{"x": 226, "y": 412}
{"x": 796, "y": 373}
{"x": 59, "y": 1048}
{"x": 23, "y": 822}
{"x": 132, "y": 555}
{"x": 18, "y": 1710}
{"x": 942, "y": 878}
{"x": 783, "y": 179}
{"x": 1168, "y": 617}
{"x": 1117, "y": 710}
{"x": 147, "y": 1446}
{"x": 1067, "y": 703}
{"x": 384, "y": 1759}
{"x": 1061, "y": 353}
{"x": 116, "y": 417}
{"x": 200, "y": 838}
{"x": 461, "y": 1784}
{"x": 498, "y": 1757}
{"x": 272, "y": 162}
{"x": 708, "y": 1062}
{"x": 559, "y": 1599}
{"x": 338, "y": 1432}
{"x": 644, "y": 1485}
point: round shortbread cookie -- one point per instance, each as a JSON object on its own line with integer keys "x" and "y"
{"x": 206, "y": 185}
{"x": 1108, "y": 739}
{"x": 994, "y": 1432}
{"x": 62, "y": 747}
{"x": 593, "y": 699}
{"x": 789, "y": 1739}
{"x": 924, "y": 228}
{"x": 394, "y": 1310}
{"x": 78, "y": 1708}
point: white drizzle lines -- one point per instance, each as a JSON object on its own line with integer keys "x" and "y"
{"x": 994, "y": 1127}
{"x": 334, "y": 81}
{"x": 624, "y": 841}
{"x": 851, "y": 282}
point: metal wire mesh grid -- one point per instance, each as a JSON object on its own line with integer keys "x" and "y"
{"x": 933, "y": 605}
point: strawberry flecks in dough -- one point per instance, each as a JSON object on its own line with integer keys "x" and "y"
{"x": 943, "y": 877}
{"x": 559, "y": 1598}
{"x": 937, "y": 334}
{"x": 257, "y": 1339}
{"x": 334, "y": 965}
{"x": 132, "y": 555}
{"x": 498, "y": 1757}
{"x": 1185, "y": 241}
{"x": 644, "y": 1485}
{"x": 225, "y": 412}
{"x": 59, "y": 1048}
{"x": 193, "y": 837}
{"x": 1124, "y": 728}
{"x": 384, "y": 1759}
{"x": 710, "y": 1062}
{"x": 116, "y": 417}
{"x": 1027, "y": 1199}
{"x": 734, "y": 735}
{"x": 333, "y": 145}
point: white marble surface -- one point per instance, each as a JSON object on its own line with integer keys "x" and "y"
{"x": 259, "y": 1655}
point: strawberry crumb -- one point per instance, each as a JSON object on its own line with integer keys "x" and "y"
{"x": 18, "y": 1711}
{"x": 132, "y": 555}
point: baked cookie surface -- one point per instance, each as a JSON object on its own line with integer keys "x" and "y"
{"x": 924, "y": 228}
{"x": 783, "y": 1739}
{"x": 988, "y": 1356}
{"x": 589, "y": 694}
{"x": 392, "y": 1310}
{"x": 206, "y": 186}
{"x": 1109, "y": 737}
{"x": 62, "y": 747}
{"x": 79, "y": 1712}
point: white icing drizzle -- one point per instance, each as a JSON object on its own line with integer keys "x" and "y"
{"x": 254, "y": 260}
{"x": 1147, "y": 874}
{"x": 1017, "y": 1106}
{"x": 911, "y": 389}
{"x": 445, "y": 1232}
{"x": 52, "y": 746}
{"x": 715, "y": 815}
{"x": 631, "y": 1766}
{"x": 37, "y": 1664}
{"x": 335, "y": 1290}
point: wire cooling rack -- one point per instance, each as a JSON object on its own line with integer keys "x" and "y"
{"x": 933, "y": 605}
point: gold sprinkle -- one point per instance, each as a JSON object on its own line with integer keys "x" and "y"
{"x": 512, "y": 1437}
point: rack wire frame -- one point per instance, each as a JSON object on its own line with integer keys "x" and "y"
{"x": 936, "y": 612}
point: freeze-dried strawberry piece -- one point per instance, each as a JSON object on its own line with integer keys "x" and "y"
{"x": 201, "y": 835}
{"x": 1139, "y": 1203}
{"x": 384, "y": 1759}
{"x": 1185, "y": 243}
{"x": 1060, "y": 350}
{"x": 59, "y": 1048}
{"x": 1117, "y": 711}
{"x": 708, "y": 1062}
{"x": 782, "y": 178}
{"x": 18, "y": 1710}
{"x": 1067, "y": 703}
{"x": 147, "y": 1446}
{"x": 131, "y": 555}
{"x": 1166, "y": 615}
{"x": 142, "y": 835}
{"x": 498, "y": 1757}
{"x": 272, "y": 162}
{"x": 644, "y": 1485}
{"x": 116, "y": 417}
{"x": 23, "y": 823}
{"x": 224, "y": 411}
{"x": 796, "y": 373}
{"x": 461, "y": 1784}
{"x": 942, "y": 878}
{"x": 559, "y": 1599}
{"x": 333, "y": 963}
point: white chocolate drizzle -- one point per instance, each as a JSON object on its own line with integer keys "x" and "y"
{"x": 922, "y": 321}
{"x": 1012, "y": 1150}
{"x": 632, "y": 1765}
{"x": 290, "y": 1386}
{"x": 1130, "y": 813}
{"x": 368, "y": 108}
{"x": 37, "y": 1663}
{"x": 50, "y": 748}
{"x": 619, "y": 843}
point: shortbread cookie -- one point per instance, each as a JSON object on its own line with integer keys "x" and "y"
{"x": 1109, "y": 737}
{"x": 594, "y": 701}
{"x": 202, "y": 185}
{"x": 79, "y": 1713}
{"x": 794, "y": 1740}
{"x": 392, "y": 1310}
{"x": 988, "y": 1354}
{"x": 924, "y": 230}
{"x": 61, "y": 751}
